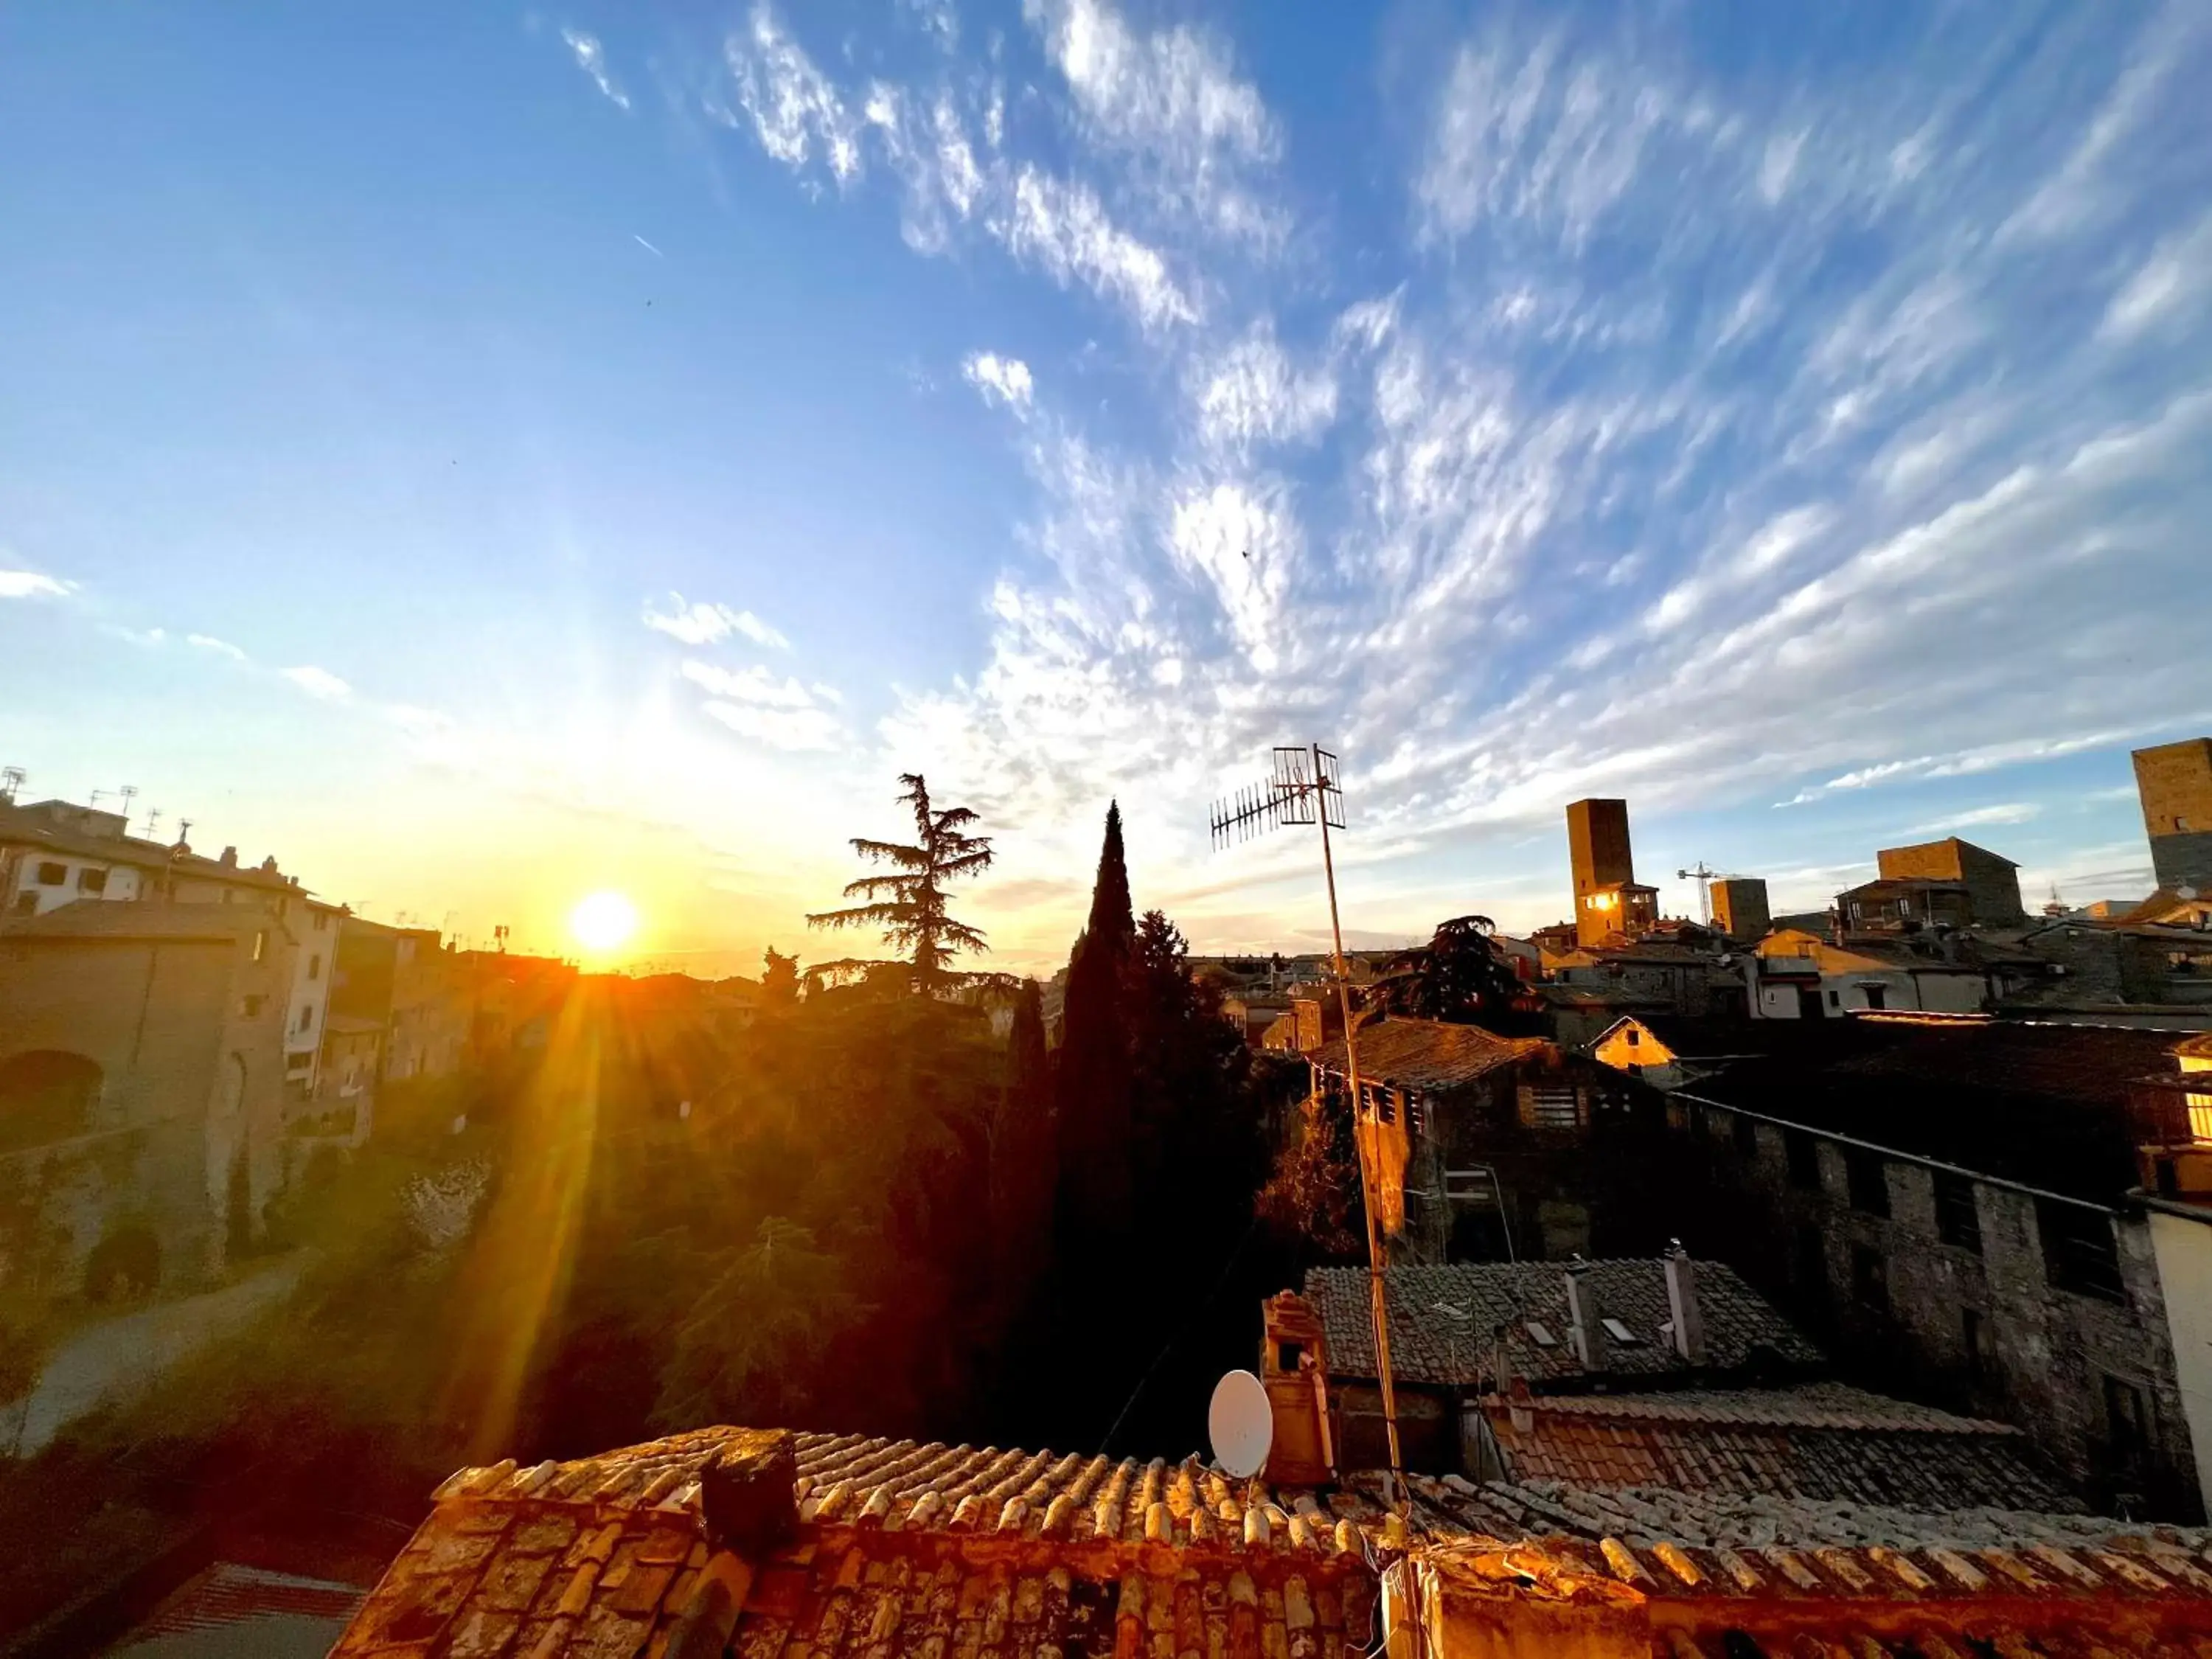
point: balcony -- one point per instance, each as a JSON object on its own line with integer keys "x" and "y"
{"x": 2171, "y": 1111}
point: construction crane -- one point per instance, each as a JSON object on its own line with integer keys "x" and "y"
{"x": 1704, "y": 877}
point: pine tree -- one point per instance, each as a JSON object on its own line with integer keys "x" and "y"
{"x": 1093, "y": 1074}
{"x": 1459, "y": 975}
{"x": 779, "y": 978}
{"x": 908, "y": 906}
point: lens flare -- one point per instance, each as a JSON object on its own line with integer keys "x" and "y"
{"x": 603, "y": 921}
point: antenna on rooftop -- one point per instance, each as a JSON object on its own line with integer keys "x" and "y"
{"x": 1240, "y": 1424}
{"x": 1304, "y": 789}
{"x": 129, "y": 792}
{"x": 11, "y": 780}
{"x": 1703, "y": 877}
{"x": 153, "y": 823}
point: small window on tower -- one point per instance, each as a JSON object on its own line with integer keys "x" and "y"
{"x": 53, "y": 875}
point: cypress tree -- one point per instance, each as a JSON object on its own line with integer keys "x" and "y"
{"x": 1093, "y": 1076}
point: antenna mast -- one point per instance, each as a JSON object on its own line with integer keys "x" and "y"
{"x": 1304, "y": 789}
{"x": 1699, "y": 873}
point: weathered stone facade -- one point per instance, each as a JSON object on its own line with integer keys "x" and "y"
{"x": 163, "y": 1162}
{"x": 1984, "y": 1294}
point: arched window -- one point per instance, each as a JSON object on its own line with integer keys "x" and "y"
{"x": 46, "y": 1094}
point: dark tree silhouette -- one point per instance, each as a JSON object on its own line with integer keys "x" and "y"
{"x": 1459, "y": 975}
{"x": 779, "y": 977}
{"x": 908, "y": 905}
{"x": 1094, "y": 1077}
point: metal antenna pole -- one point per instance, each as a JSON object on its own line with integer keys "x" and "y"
{"x": 1378, "y": 1259}
{"x": 1287, "y": 799}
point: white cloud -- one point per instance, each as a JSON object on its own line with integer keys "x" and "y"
{"x": 31, "y": 584}
{"x": 1064, "y": 228}
{"x": 797, "y": 110}
{"x": 702, "y": 622}
{"x": 2174, "y": 278}
{"x": 1170, "y": 100}
{"x": 220, "y": 648}
{"x": 753, "y": 685}
{"x": 2015, "y": 811}
{"x": 1001, "y": 379}
{"x": 755, "y": 704}
{"x": 319, "y": 682}
{"x": 592, "y": 59}
{"x": 1252, "y": 393}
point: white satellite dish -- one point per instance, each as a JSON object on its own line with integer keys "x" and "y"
{"x": 1240, "y": 1424}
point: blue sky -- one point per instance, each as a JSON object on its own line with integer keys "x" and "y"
{"x": 481, "y": 455}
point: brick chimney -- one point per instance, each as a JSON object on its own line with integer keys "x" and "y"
{"x": 1294, "y": 1369}
{"x": 1584, "y": 1327}
{"x": 1689, "y": 1320}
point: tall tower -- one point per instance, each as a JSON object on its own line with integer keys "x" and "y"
{"x": 1609, "y": 904}
{"x": 2174, "y": 783}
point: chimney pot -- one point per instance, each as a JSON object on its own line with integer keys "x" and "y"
{"x": 1689, "y": 1320}
{"x": 746, "y": 1497}
{"x": 1584, "y": 1328}
{"x": 229, "y": 860}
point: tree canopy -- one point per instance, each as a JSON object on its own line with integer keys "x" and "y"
{"x": 908, "y": 905}
{"x": 1459, "y": 975}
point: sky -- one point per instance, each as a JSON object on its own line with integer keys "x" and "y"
{"x": 483, "y": 456}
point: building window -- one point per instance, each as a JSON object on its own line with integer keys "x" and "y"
{"x": 314, "y": 967}
{"x": 1835, "y": 999}
{"x": 1866, "y": 1176}
{"x": 89, "y": 880}
{"x": 321, "y": 921}
{"x": 1635, "y": 1038}
{"x": 2127, "y": 1423}
{"x": 250, "y": 1005}
{"x": 1869, "y": 1278}
{"x": 1551, "y": 1107}
{"x": 26, "y": 904}
{"x": 260, "y": 945}
{"x": 1876, "y": 995}
{"x": 1804, "y": 1154}
{"x": 1958, "y": 1221}
{"x": 2079, "y": 1252}
{"x": 53, "y": 875}
{"x": 307, "y": 1017}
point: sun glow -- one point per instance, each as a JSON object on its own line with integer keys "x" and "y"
{"x": 603, "y": 921}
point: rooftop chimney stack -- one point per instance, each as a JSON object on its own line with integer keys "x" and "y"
{"x": 1688, "y": 1318}
{"x": 229, "y": 860}
{"x": 1585, "y": 1325}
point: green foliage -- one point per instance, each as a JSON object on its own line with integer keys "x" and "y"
{"x": 909, "y": 906}
{"x": 1094, "y": 1078}
{"x": 772, "y": 1309}
{"x": 1459, "y": 975}
{"x": 1314, "y": 1193}
{"x": 779, "y": 979}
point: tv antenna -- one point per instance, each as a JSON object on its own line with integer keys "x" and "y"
{"x": 1699, "y": 873}
{"x": 1240, "y": 1424}
{"x": 11, "y": 780}
{"x": 129, "y": 792}
{"x": 1304, "y": 789}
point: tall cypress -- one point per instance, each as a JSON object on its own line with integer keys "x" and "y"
{"x": 1093, "y": 1076}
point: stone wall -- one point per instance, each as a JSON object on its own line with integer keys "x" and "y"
{"x": 1903, "y": 1301}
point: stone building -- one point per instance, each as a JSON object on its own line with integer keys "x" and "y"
{"x": 1741, "y": 910}
{"x": 1487, "y": 1145}
{"x": 2173, "y": 782}
{"x": 142, "y": 1096}
{"x": 1991, "y": 881}
{"x": 1610, "y": 903}
{"x": 1607, "y": 1375}
{"x": 1950, "y": 1206}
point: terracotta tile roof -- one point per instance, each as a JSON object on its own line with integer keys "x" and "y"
{"x": 1426, "y": 1053}
{"x": 2144, "y": 1596}
{"x": 1824, "y": 1443}
{"x": 942, "y": 1550}
{"x": 1430, "y": 1345}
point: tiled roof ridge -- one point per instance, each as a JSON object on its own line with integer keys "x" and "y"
{"x": 903, "y": 1485}
{"x": 1934, "y": 1578}
{"x": 1815, "y": 1407}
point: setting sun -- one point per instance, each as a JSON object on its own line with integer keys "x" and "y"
{"x": 603, "y": 921}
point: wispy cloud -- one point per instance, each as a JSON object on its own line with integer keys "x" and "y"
{"x": 220, "y": 648}
{"x": 2015, "y": 811}
{"x": 33, "y": 585}
{"x": 592, "y": 59}
{"x": 702, "y": 623}
{"x": 754, "y": 703}
{"x": 647, "y": 245}
{"x": 319, "y": 682}
{"x": 1001, "y": 379}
